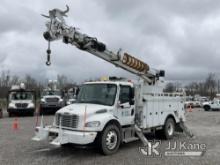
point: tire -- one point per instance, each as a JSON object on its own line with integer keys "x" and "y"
{"x": 67, "y": 145}
{"x": 109, "y": 140}
{"x": 207, "y": 108}
{"x": 168, "y": 129}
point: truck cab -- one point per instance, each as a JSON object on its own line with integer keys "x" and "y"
{"x": 97, "y": 104}
{"x": 21, "y": 101}
{"x": 99, "y": 113}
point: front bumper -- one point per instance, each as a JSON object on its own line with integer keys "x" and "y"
{"x": 21, "y": 111}
{"x": 58, "y": 136}
{"x": 49, "y": 108}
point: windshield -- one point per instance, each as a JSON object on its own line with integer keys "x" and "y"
{"x": 46, "y": 93}
{"x": 103, "y": 94}
{"x": 21, "y": 96}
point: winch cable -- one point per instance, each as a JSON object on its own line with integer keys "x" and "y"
{"x": 48, "y": 62}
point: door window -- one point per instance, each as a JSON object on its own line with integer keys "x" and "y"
{"x": 124, "y": 94}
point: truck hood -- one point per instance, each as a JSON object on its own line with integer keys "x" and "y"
{"x": 79, "y": 108}
{"x": 206, "y": 103}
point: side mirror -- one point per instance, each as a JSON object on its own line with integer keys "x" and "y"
{"x": 123, "y": 105}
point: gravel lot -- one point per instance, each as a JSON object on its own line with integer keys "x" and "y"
{"x": 16, "y": 147}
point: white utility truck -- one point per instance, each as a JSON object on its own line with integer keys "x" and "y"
{"x": 212, "y": 105}
{"x": 111, "y": 112}
{"x": 21, "y": 100}
{"x": 51, "y": 98}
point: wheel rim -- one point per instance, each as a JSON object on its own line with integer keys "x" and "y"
{"x": 111, "y": 139}
{"x": 170, "y": 129}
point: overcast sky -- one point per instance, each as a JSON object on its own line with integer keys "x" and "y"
{"x": 181, "y": 37}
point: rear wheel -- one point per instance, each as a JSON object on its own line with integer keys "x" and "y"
{"x": 109, "y": 140}
{"x": 169, "y": 128}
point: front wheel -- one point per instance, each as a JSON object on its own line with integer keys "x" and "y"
{"x": 207, "y": 108}
{"x": 109, "y": 140}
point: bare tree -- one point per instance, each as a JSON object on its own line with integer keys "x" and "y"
{"x": 62, "y": 80}
{"x": 14, "y": 80}
{"x": 170, "y": 87}
{"x": 211, "y": 84}
{"x": 5, "y": 78}
{"x": 30, "y": 82}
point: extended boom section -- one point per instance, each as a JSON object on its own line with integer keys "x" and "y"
{"x": 57, "y": 29}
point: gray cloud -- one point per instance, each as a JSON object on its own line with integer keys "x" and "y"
{"x": 181, "y": 37}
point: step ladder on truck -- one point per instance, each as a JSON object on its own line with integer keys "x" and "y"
{"x": 111, "y": 112}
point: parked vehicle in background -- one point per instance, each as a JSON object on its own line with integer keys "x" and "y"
{"x": 51, "y": 99}
{"x": 195, "y": 102}
{"x": 190, "y": 102}
{"x": 21, "y": 101}
{"x": 212, "y": 105}
{"x": 203, "y": 100}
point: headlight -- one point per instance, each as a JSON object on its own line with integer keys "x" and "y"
{"x": 31, "y": 105}
{"x": 42, "y": 100}
{"x": 93, "y": 124}
{"x": 11, "y": 105}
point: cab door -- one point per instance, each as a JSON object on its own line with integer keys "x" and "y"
{"x": 126, "y": 105}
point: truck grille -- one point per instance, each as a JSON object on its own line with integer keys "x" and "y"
{"x": 52, "y": 100}
{"x": 21, "y": 105}
{"x": 67, "y": 120}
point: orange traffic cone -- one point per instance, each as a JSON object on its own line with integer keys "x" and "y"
{"x": 15, "y": 124}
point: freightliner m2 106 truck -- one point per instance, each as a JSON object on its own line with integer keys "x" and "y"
{"x": 109, "y": 113}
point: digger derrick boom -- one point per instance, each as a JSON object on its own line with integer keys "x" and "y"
{"x": 57, "y": 29}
